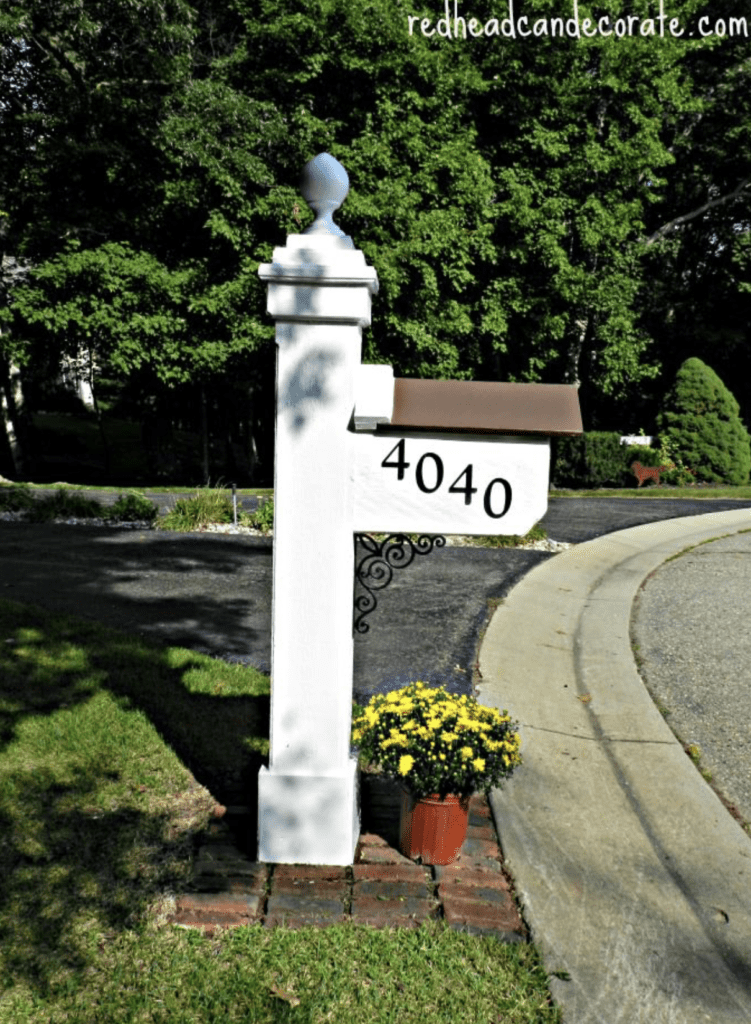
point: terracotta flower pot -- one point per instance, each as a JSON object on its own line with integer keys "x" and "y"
{"x": 432, "y": 828}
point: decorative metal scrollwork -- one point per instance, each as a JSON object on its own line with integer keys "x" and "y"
{"x": 376, "y": 568}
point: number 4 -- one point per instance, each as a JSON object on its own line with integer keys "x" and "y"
{"x": 401, "y": 464}
{"x": 468, "y": 490}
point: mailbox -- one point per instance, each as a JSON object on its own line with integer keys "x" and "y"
{"x": 360, "y": 451}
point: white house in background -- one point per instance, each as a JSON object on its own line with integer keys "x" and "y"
{"x": 76, "y": 373}
{"x": 641, "y": 439}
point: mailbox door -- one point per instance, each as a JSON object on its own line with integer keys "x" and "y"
{"x": 418, "y": 482}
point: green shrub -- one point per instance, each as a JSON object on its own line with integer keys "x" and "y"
{"x": 65, "y": 505}
{"x": 700, "y": 420}
{"x": 567, "y": 465}
{"x": 594, "y": 459}
{"x": 603, "y": 454}
{"x": 263, "y": 517}
{"x": 207, "y": 506}
{"x": 132, "y": 506}
{"x": 16, "y": 499}
{"x": 678, "y": 475}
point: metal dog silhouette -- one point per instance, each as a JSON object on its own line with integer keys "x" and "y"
{"x": 643, "y": 473}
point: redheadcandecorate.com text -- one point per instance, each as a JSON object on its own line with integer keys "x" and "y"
{"x": 511, "y": 27}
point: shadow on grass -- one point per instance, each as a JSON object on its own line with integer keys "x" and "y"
{"x": 209, "y": 592}
{"x": 73, "y": 874}
{"x": 97, "y": 816}
{"x": 209, "y": 732}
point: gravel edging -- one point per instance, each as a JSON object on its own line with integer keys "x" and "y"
{"x": 456, "y": 540}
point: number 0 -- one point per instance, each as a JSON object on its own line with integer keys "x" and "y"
{"x": 489, "y": 493}
{"x": 438, "y": 463}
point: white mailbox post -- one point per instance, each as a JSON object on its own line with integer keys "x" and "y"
{"x": 319, "y": 294}
{"x": 357, "y": 451}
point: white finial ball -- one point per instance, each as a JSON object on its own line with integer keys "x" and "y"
{"x": 324, "y": 185}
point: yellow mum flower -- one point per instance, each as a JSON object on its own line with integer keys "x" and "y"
{"x": 479, "y": 763}
{"x": 467, "y": 752}
{"x": 450, "y": 737}
{"x": 405, "y": 763}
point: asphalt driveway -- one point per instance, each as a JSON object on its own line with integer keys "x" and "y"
{"x": 212, "y": 592}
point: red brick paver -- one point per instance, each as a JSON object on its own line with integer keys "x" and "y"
{"x": 381, "y": 889}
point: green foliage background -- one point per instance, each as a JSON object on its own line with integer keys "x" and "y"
{"x": 547, "y": 209}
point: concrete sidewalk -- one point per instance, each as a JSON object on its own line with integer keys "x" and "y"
{"x": 634, "y": 880}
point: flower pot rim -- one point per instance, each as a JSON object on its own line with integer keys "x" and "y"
{"x": 460, "y": 797}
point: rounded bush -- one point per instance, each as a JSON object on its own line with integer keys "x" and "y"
{"x": 700, "y": 419}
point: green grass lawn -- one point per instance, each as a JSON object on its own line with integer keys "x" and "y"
{"x": 110, "y": 749}
{"x": 652, "y": 491}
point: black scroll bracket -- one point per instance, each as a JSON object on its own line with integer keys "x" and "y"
{"x": 375, "y": 570}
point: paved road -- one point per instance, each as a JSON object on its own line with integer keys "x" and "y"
{"x": 634, "y": 880}
{"x": 690, "y": 621}
{"x": 212, "y": 592}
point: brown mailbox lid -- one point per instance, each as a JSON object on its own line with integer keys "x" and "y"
{"x": 481, "y": 407}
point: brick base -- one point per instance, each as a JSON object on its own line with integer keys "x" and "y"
{"x": 382, "y": 889}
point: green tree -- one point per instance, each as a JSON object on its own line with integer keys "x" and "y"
{"x": 697, "y": 233}
{"x": 529, "y": 204}
{"x": 82, "y": 89}
{"x": 700, "y": 418}
{"x": 127, "y": 182}
{"x": 84, "y": 84}
{"x": 347, "y": 78}
{"x": 585, "y": 136}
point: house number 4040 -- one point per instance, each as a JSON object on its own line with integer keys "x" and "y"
{"x": 429, "y": 477}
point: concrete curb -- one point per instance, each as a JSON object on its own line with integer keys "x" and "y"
{"x": 633, "y": 877}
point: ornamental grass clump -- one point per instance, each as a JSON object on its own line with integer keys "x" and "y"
{"x": 435, "y": 742}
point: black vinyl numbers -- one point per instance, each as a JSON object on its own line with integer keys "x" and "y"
{"x": 429, "y": 474}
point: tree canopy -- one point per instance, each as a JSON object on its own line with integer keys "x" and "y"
{"x": 538, "y": 209}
